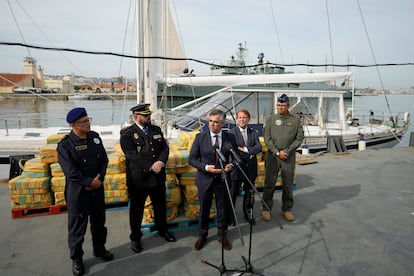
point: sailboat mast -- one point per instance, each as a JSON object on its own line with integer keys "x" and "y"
{"x": 139, "y": 11}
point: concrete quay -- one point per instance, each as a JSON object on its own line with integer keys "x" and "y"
{"x": 354, "y": 216}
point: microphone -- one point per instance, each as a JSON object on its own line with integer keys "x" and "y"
{"x": 220, "y": 154}
{"x": 235, "y": 155}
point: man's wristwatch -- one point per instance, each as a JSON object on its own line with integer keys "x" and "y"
{"x": 278, "y": 153}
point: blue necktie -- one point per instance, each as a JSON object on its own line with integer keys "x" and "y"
{"x": 145, "y": 129}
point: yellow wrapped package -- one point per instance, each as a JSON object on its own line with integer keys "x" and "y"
{"x": 115, "y": 182}
{"x": 260, "y": 168}
{"x": 116, "y": 196}
{"x": 262, "y": 142}
{"x": 60, "y": 198}
{"x": 58, "y": 184}
{"x": 192, "y": 211}
{"x": 56, "y": 170}
{"x": 30, "y": 201}
{"x": 118, "y": 150}
{"x": 48, "y": 153}
{"x": 188, "y": 177}
{"x": 22, "y": 182}
{"x": 177, "y": 160}
{"x": 171, "y": 180}
{"x": 34, "y": 168}
{"x": 116, "y": 164}
{"x": 186, "y": 139}
{"x": 191, "y": 194}
{"x": 54, "y": 139}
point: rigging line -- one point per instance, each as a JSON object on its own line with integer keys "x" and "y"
{"x": 197, "y": 60}
{"x": 125, "y": 36}
{"x": 373, "y": 56}
{"x": 18, "y": 27}
{"x": 48, "y": 39}
{"x": 330, "y": 35}
{"x": 277, "y": 32}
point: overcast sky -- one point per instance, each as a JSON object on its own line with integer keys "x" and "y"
{"x": 297, "y": 31}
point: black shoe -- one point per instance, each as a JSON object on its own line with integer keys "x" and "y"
{"x": 200, "y": 243}
{"x": 168, "y": 237}
{"x": 103, "y": 254}
{"x": 136, "y": 246}
{"x": 77, "y": 267}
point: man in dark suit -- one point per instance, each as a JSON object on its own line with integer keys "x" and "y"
{"x": 146, "y": 153}
{"x": 209, "y": 178}
{"x": 248, "y": 146}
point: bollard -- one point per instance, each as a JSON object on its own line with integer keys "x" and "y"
{"x": 411, "y": 139}
{"x": 362, "y": 145}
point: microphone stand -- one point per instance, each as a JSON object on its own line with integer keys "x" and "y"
{"x": 248, "y": 265}
{"x": 222, "y": 268}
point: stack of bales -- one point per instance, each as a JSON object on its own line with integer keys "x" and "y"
{"x": 58, "y": 184}
{"x": 48, "y": 154}
{"x": 173, "y": 192}
{"x": 173, "y": 200}
{"x": 186, "y": 177}
{"x": 32, "y": 188}
{"x": 115, "y": 180}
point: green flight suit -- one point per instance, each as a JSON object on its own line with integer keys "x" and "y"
{"x": 281, "y": 133}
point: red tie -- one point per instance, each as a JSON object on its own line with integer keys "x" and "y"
{"x": 216, "y": 143}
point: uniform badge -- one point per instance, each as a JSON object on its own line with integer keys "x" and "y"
{"x": 81, "y": 147}
{"x": 278, "y": 122}
{"x": 157, "y": 136}
{"x": 136, "y": 136}
{"x": 96, "y": 140}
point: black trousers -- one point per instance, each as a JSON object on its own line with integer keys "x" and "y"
{"x": 77, "y": 225}
{"x": 138, "y": 197}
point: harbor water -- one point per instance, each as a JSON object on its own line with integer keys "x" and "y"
{"x": 38, "y": 112}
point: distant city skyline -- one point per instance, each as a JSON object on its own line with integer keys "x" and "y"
{"x": 286, "y": 32}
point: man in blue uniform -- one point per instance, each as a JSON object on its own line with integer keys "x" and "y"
{"x": 83, "y": 160}
{"x": 146, "y": 153}
{"x": 283, "y": 134}
{"x": 248, "y": 146}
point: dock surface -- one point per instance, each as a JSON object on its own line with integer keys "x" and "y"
{"x": 354, "y": 216}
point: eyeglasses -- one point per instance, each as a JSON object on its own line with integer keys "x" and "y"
{"x": 85, "y": 121}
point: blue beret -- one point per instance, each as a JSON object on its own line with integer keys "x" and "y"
{"x": 141, "y": 109}
{"x": 283, "y": 98}
{"x": 75, "y": 114}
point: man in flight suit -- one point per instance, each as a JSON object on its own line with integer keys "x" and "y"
{"x": 283, "y": 134}
{"x": 83, "y": 160}
{"x": 146, "y": 153}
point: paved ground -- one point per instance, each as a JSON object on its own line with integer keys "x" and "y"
{"x": 354, "y": 216}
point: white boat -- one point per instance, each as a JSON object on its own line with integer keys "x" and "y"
{"x": 78, "y": 96}
{"x": 327, "y": 125}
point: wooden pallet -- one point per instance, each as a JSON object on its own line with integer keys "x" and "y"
{"x": 38, "y": 211}
{"x": 57, "y": 209}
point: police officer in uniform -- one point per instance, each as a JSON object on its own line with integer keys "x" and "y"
{"x": 83, "y": 159}
{"x": 146, "y": 153}
{"x": 283, "y": 134}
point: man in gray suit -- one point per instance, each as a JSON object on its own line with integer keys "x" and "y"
{"x": 204, "y": 155}
{"x": 248, "y": 146}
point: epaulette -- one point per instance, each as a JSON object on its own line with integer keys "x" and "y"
{"x": 64, "y": 138}
{"x": 126, "y": 128}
